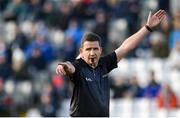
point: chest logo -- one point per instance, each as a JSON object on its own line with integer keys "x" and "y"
{"x": 88, "y": 79}
{"x": 104, "y": 75}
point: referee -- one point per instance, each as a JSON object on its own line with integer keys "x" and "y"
{"x": 91, "y": 91}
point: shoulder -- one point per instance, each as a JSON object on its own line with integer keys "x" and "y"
{"x": 78, "y": 63}
{"x": 109, "y": 61}
{"x": 109, "y": 56}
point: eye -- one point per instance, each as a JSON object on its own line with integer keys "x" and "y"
{"x": 88, "y": 49}
{"x": 95, "y": 48}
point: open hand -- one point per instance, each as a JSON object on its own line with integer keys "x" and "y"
{"x": 155, "y": 19}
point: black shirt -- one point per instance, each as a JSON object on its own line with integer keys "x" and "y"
{"x": 91, "y": 90}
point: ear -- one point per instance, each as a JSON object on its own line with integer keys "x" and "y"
{"x": 80, "y": 52}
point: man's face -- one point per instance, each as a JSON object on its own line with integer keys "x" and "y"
{"x": 91, "y": 52}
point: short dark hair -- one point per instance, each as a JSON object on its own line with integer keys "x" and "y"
{"x": 90, "y": 36}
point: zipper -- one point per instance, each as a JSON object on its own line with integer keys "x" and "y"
{"x": 98, "y": 82}
{"x": 94, "y": 74}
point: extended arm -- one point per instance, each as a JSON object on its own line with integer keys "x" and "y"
{"x": 132, "y": 41}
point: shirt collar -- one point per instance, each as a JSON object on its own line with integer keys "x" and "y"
{"x": 87, "y": 65}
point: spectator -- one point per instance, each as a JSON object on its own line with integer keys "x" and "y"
{"x": 19, "y": 66}
{"x": 166, "y": 98}
{"x": 101, "y": 27}
{"x": 5, "y": 69}
{"x": 175, "y": 33}
{"x": 3, "y": 4}
{"x": 49, "y": 101}
{"x": 42, "y": 42}
{"x": 73, "y": 39}
{"x": 21, "y": 40}
{"x": 135, "y": 89}
{"x": 153, "y": 87}
{"x": 159, "y": 45}
{"x": 15, "y": 11}
{"x": 46, "y": 108}
{"x": 5, "y": 101}
{"x": 37, "y": 61}
{"x": 119, "y": 88}
{"x": 48, "y": 14}
{"x": 78, "y": 9}
{"x": 117, "y": 9}
{"x": 63, "y": 18}
{"x": 33, "y": 10}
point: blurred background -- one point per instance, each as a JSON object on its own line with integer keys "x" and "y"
{"x": 37, "y": 34}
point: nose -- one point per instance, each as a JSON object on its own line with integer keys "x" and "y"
{"x": 92, "y": 52}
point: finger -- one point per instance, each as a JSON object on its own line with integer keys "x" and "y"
{"x": 65, "y": 64}
{"x": 62, "y": 70}
{"x": 165, "y": 19}
{"x": 160, "y": 13}
{"x": 62, "y": 63}
{"x": 149, "y": 16}
{"x": 62, "y": 73}
{"x": 157, "y": 13}
{"x": 57, "y": 72}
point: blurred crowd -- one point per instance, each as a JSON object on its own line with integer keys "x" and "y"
{"x": 37, "y": 34}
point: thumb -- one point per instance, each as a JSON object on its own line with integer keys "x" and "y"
{"x": 149, "y": 16}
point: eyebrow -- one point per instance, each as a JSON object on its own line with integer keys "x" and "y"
{"x": 91, "y": 48}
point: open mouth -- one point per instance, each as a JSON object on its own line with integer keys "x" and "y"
{"x": 93, "y": 61}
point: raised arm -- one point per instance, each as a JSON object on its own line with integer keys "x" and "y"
{"x": 132, "y": 41}
{"x": 65, "y": 68}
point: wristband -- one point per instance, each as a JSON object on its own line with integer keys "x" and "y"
{"x": 148, "y": 28}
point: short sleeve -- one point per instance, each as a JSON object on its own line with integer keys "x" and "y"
{"x": 110, "y": 61}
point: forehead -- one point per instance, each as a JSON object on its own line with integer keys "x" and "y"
{"x": 88, "y": 44}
